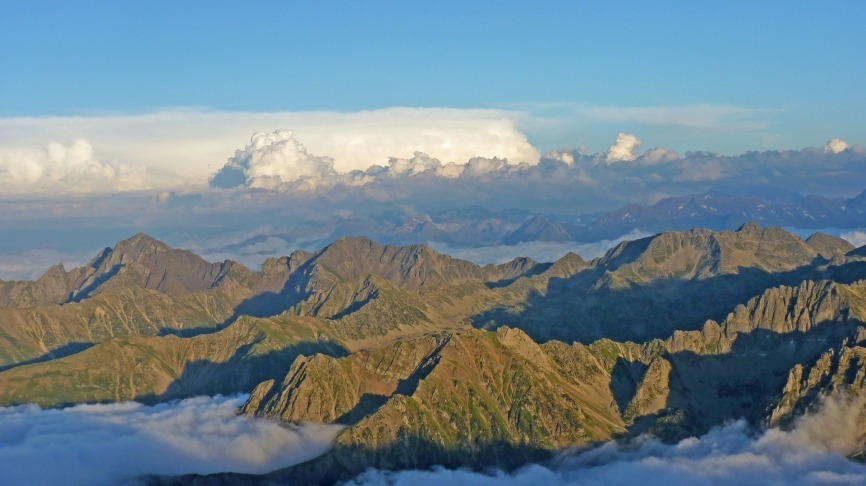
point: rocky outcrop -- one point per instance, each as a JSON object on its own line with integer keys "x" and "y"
{"x": 840, "y": 369}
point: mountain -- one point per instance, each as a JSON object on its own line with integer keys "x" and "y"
{"x": 430, "y": 360}
{"x": 482, "y": 399}
{"x": 719, "y": 211}
{"x": 140, "y": 261}
{"x": 475, "y": 226}
{"x": 141, "y": 287}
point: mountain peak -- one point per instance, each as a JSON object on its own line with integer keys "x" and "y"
{"x": 143, "y": 243}
{"x": 828, "y": 246}
{"x": 749, "y": 227}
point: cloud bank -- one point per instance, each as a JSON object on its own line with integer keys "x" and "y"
{"x": 278, "y": 161}
{"x": 813, "y": 453}
{"x": 110, "y": 444}
{"x": 63, "y": 169}
{"x": 540, "y": 251}
{"x": 184, "y": 148}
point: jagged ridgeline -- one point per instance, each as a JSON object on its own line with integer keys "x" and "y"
{"x": 431, "y": 360}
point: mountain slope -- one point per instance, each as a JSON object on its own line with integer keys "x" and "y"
{"x": 482, "y": 399}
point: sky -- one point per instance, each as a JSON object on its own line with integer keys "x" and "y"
{"x": 194, "y": 120}
{"x": 738, "y": 75}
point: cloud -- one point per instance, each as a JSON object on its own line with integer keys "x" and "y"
{"x": 835, "y": 145}
{"x": 704, "y": 126}
{"x": 31, "y": 264}
{"x": 540, "y": 251}
{"x": 693, "y": 116}
{"x": 274, "y": 160}
{"x": 658, "y": 155}
{"x": 575, "y": 191}
{"x": 184, "y": 148}
{"x": 65, "y": 169}
{"x": 812, "y": 453}
{"x": 277, "y": 161}
{"x": 110, "y": 444}
{"x": 564, "y": 156}
{"x": 623, "y": 149}
{"x": 856, "y": 238}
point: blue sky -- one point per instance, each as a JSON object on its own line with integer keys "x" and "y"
{"x": 795, "y": 69}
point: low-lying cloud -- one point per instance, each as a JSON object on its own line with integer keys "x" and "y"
{"x": 110, "y": 444}
{"x": 540, "y": 251}
{"x": 812, "y": 453}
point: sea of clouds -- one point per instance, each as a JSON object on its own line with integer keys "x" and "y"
{"x": 115, "y": 443}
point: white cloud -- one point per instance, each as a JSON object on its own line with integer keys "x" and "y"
{"x": 623, "y": 148}
{"x": 418, "y": 164}
{"x": 856, "y": 238}
{"x": 186, "y": 147}
{"x": 272, "y": 160}
{"x": 110, "y": 444}
{"x": 479, "y": 166}
{"x": 813, "y": 453}
{"x": 658, "y": 155}
{"x": 564, "y": 156}
{"x": 65, "y": 169}
{"x": 540, "y": 251}
{"x": 835, "y": 145}
{"x": 31, "y": 264}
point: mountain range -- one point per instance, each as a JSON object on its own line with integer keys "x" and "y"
{"x": 476, "y": 226}
{"x": 430, "y": 360}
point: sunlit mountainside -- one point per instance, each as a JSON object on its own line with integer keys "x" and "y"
{"x": 429, "y": 360}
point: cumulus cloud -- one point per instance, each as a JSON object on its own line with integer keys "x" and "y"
{"x": 61, "y": 168}
{"x": 564, "y": 156}
{"x": 420, "y": 163}
{"x": 110, "y": 444}
{"x": 278, "y": 161}
{"x": 275, "y": 160}
{"x": 812, "y": 453}
{"x": 835, "y": 145}
{"x": 181, "y": 148}
{"x": 623, "y": 148}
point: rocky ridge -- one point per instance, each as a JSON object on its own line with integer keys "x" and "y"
{"x": 432, "y": 360}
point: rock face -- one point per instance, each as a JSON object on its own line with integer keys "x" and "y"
{"x": 470, "y": 398}
{"x": 479, "y": 399}
{"x": 839, "y": 369}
